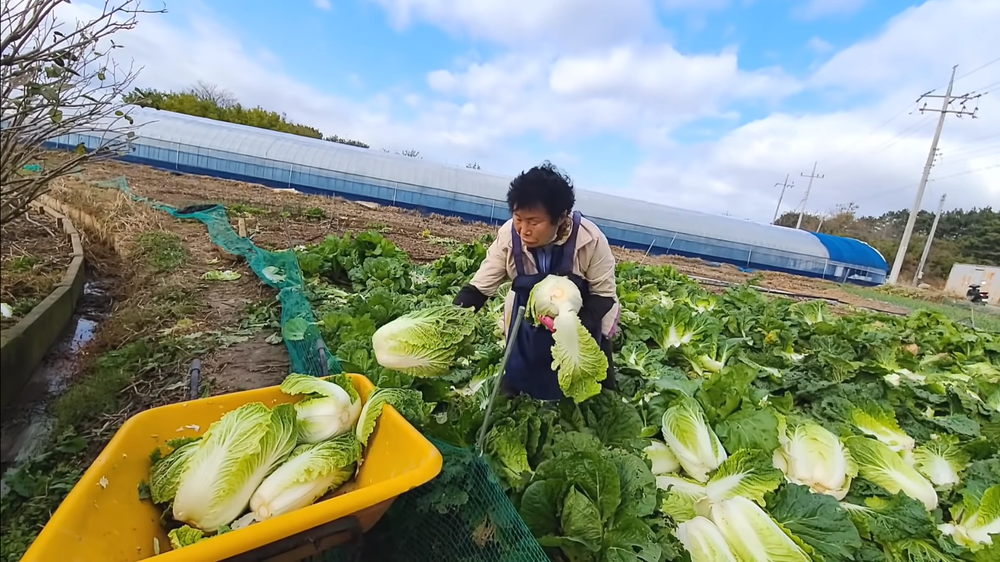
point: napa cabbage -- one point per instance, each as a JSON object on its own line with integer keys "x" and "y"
{"x": 882, "y": 425}
{"x": 975, "y": 520}
{"x": 879, "y": 464}
{"x": 425, "y": 342}
{"x": 229, "y": 463}
{"x": 810, "y": 455}
{"x": 703, "y": 541}
{"x": 165, "y": 476}
{"x": 747, "y": 473}
{"x": 576, "y": 357}
{"x": 331, "y": 406}
{"x": 406, "y": 401}
{"x": 662, "y": 459}
{"x": 753, "y": 535}
{"x": 941, "y": 460}
{"x": 691, "y": 439}
{"x": 310, "y": 472}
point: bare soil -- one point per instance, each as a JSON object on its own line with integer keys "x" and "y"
{"x": 34, "y": 254}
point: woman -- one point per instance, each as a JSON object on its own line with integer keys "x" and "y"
{"x": 546, "y": 237}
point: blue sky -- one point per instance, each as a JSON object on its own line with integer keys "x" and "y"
{"x": 701, "y": 104}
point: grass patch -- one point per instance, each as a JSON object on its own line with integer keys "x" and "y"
{"x": 965, "y": 314}
{"x": 162, "y": 251}
{"x": 146, "y": 354}
{"x": 98, "y": 392}
{"x": 37, "y": 487}
{"x": 22, "y": 264}
{"x": 245, "y": 210}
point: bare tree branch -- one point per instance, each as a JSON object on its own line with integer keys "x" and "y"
{"x": 56, "y": 82}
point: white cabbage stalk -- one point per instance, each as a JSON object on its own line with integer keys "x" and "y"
{"x": 425, "y": 342}
{"x": 884, "y": 427}
{"x": 308, "y": 474}
{"x": 703, "y": 541}
{"x": 232, "y": 459}
{"x": 753, "y": 535}
{"x": 577, "y": 359}
{"x": 812, "y": 456}
{"x": 879, "y": 464}
{"x": 662, "y": 459}
{"x": 941, "y": 460}
{"x": 974, "y": 524}
{"x": 331, "y": 406}
{"x": 691, "y": 439}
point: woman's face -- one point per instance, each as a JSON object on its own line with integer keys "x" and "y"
{"x": 534, "y": 226}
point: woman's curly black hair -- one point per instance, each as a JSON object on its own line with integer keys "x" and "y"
{"x": 543, "y": 186}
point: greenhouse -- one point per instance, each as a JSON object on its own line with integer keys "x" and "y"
{"x": 195, "y": 145}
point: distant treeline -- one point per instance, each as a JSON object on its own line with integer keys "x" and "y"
{"x": 204, "y": 100}
{"x": 962, "y": 236}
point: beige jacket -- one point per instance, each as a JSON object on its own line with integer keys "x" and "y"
{"x": 594, "y": 262}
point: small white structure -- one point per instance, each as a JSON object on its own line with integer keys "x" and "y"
{"x": 986, "y": 276}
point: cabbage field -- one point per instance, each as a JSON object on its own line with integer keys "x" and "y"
{"x": 744, "y": 428}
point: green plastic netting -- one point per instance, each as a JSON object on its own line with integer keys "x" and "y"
{"x": 463, "y": 515}
{"x": 279, "y": 270}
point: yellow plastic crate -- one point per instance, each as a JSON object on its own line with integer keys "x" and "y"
{"x": 103, "y": 519}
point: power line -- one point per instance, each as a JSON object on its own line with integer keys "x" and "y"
{"x": 946, "y": 103}
{"x": 975, "y": 70}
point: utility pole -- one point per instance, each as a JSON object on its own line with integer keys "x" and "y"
{"x": 805, "y": 199}
{"x": 784, "y": 186}
{"x": 946, "y": 100}
{"x": 927, "y": 245}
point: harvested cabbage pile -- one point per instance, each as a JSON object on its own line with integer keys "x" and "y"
{"x": 256, "y": 462}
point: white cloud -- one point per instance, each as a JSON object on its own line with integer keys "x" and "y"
{"x": 323, "y": 4}
{"x": 566, "y": 24}
{"x": 819, "y": 45}
{"x": 642, "y": 89}
{"x": 815, "y": 9}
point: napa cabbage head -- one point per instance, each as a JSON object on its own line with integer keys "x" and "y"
{"x": 165, "y": 476}
{"x": 662, "y": 459}
{"x": 703, "y": 541}
{"x": 231, "y": 460}
{"x": 331, "y": 406}
{"x": 425, "y": 342}
{"x": 406, "y": 401}
{"x": 753, "y": 535}
{"x": 691, "y": 439}
{"x": 310, "y": 472}
{"x": 881, "y": 424}
{"x": 976, "y": 520}
{"x": 810, "y": 455}
{"x": 578, "y": 360}
{"x": 941, "y": 460}
{"x": 880, "y": 465}
{"x": 747, "y": 473}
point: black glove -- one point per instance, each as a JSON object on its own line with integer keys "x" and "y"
{"x": 610, "y": 383}
{"x": 470, "y": 297}
{"x": 593, "y": 312}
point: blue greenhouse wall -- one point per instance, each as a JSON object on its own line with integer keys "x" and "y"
{"x": 316, "y": 181}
